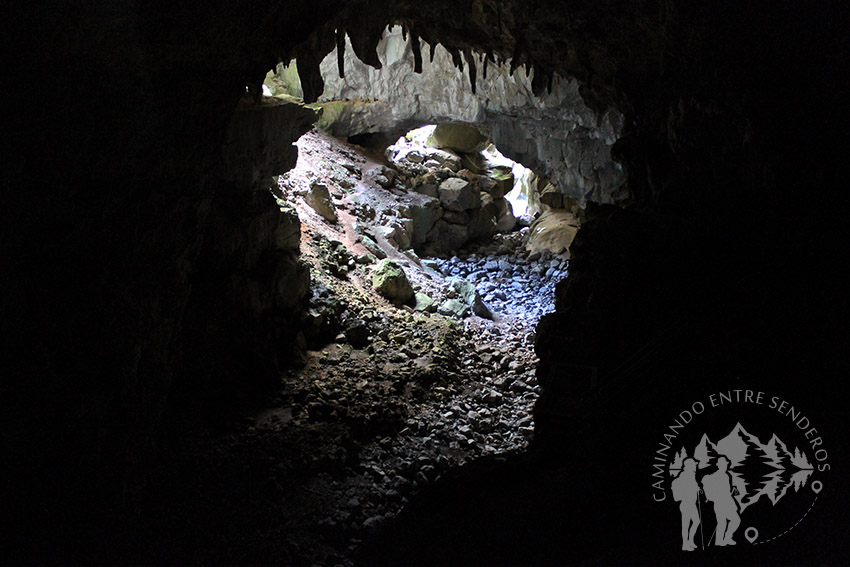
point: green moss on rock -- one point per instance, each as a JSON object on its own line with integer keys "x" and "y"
{"x": 391, "y": 282}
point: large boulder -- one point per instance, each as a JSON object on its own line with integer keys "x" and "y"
{"x": 424, "y": 216}
{"x": 427, "y": 189}
{"x": 482, "y": 222}
{"x": 390, "y": 281}
{"x": 424, "y": 302}
{"x": 457, "y": 137}
{"x": 446, "y": 237}
{"x": 491, "y": 187}
{"x": 459, "y": 195}
{"x": 319, "y": 199}
{"x": 553, "y": 231}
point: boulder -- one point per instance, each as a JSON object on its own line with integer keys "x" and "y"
{"x": 553, "y": 231}
{"x": 466, "y": 300}
{"x": 444, "y": 158}
{"x": 391, "y": 282}
{"x": 428, "y": 189}
{"x": 453, "y": 308}
{"x": 446, "y": 237}
{"x": 504, "y": 178}
{"x": 459, "y": 195}
{"x": 357, "y": 333}
{"x": 373, "y": 247}
{"x": 319, "y": 199}
{"x": 491, "y": 186}
{"x": 424, "y": 303}
{"x": 455, "y": 217}
{"x": 457, "y": 137}
{"x": 424, "y": 216}
{"x": 482, "y": 222}
{"x": 468, "y": 294}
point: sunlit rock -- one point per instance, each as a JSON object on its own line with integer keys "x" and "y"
{"x": 390, "y": 281}
{"x": 459, "y": 195}
{"x": 457, "y": 137}
{"x": 553, "y": 231}
{"x": 319, "y": 199}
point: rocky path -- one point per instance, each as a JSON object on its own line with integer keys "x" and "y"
{"x": 388, "y": 398}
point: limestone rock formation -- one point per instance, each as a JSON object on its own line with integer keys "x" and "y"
{"x": 555, "y": 133}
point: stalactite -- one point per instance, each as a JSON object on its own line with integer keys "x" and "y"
{"x": 456, "y": 58}
{"x": 473, "y": 70}
{"x": 541, "y": 81}
{"x": 364, "y": 41}
{"x": 312, "y": 83}
{"x": 519, "y": 51}
{"x": 417, "y": 52}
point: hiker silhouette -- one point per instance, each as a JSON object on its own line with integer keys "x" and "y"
{"x": 686, "y": 491}
{"x": 718, "y": 489}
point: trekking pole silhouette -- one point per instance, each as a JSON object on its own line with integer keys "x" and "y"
{"x": 699, "y": 513}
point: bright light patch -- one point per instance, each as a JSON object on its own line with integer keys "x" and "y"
{"x": 523, "y": 177}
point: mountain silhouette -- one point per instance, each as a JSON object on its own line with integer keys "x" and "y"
{"x": 756, "y": 469}
{"x": 705, "y": 453}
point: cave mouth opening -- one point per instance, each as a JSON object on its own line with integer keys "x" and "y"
{"x": 414, "y": 361}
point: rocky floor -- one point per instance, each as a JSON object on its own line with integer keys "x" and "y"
{"x": 388, "y": 398}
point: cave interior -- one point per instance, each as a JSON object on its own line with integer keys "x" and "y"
{"x": 153, "y": 292}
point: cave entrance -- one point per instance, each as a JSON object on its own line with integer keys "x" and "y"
{"x": 425, "y": 293}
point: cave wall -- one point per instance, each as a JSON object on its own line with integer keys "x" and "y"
{"x": 137, "y": 246}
